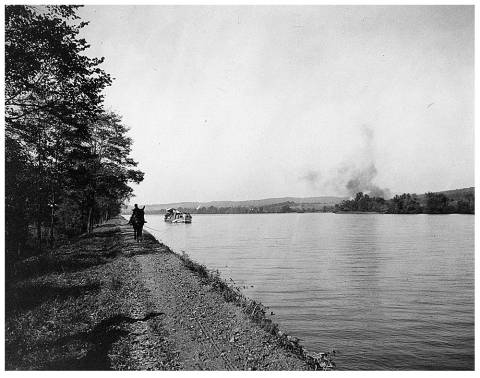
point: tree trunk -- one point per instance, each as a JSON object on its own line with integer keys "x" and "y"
{"x": 89, "y": 220}
{"x": 39, "y": 186}
{"x": 39, "y": 234}
{"x": 52, "y": 215}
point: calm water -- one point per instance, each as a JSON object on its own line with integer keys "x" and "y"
{"x": 384, "y": 291}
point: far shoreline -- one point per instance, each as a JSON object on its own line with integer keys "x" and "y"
{"x": 311, "y": 212}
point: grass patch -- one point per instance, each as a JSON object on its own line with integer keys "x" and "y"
{"x": 26, "y": 296}
{"x": 66, "y": 308}
{"x": 199, "y": 269}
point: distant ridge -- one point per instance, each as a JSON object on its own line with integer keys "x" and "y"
{"x": 319, "y": 201}
{"x": 326, "y": 201}
{"x": 454, "y": 194}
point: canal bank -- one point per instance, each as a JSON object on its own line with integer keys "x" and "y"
{"x": 107, "y": 302}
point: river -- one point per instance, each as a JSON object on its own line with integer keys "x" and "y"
{"x": 385, "y": 291}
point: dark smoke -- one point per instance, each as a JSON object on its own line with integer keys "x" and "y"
{"x": 356, "y": 175}
{"x": 361, "y": 180}
{"x": 312, "y": 177}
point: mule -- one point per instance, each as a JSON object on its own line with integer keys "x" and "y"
{"x": 138, "y": 220}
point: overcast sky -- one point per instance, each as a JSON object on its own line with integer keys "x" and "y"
{"x": 233, "y": 103}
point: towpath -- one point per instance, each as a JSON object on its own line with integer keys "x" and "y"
{"x": 108, "y": 302}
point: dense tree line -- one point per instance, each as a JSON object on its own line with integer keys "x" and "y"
{"x": 364, "y": 203}
{"x": 283, "y": 207}
{"x": 406, "y": 203}
{"x": 430, "y": 203}
{"x": 439, "y": 203}
{"x": 286, "y": 207}
{"x": 67, "y": 163}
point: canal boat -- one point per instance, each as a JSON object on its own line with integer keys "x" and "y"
{"x": 175, "y": 216}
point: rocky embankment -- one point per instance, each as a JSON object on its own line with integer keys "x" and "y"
{"x": 106, "y": 302}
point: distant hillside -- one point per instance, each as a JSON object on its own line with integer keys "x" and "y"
{"x": 319, "y": 201}
{"x": 295, "y": 203}
{"x": 455, "y": 194}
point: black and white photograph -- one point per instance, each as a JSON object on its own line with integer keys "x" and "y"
{"x": 239, "y": 187}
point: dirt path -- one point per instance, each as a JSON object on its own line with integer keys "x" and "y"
{"x": 107, "y": 302}
{"x": 209, "y": 333}
{"x": 205, "y": 332}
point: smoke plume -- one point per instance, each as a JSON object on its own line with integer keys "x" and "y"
{"x": 354, "y": 175}
{"x": 312, "y": 178}
{"x": 361, "y": 180}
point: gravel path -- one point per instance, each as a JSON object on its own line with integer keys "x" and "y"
{"x": 203, "y": 330}
{"x": 107, "y": 302}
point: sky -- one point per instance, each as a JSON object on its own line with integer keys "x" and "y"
{"x": 250, "y": 102}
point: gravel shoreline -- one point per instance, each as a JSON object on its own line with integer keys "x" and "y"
{"x": 107, "y": 302}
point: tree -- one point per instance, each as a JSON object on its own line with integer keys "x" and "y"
{"x": 67, "y": 160}
{"x": 404, "y": 204}
{"x": 45, "y": 69}
{"x": 362, "y": 202}
{"x": 437, "y": 203}
{"x": 52, "y": 94}
{"x": 111, "y": 167}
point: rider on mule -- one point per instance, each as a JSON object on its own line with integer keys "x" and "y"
{"x": 137, "y": 212}
{"x": 137, "y": 220}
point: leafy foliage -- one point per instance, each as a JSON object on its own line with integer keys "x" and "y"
{"x": 404, "y": 204}
{"x": 431, "y": 203}
{"x": 437, "y": 203}
{"x": 363, "y": 203}
{"x": 67, "y": 159}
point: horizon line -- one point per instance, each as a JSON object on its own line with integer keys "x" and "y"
{"x": 290, "y": 196}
